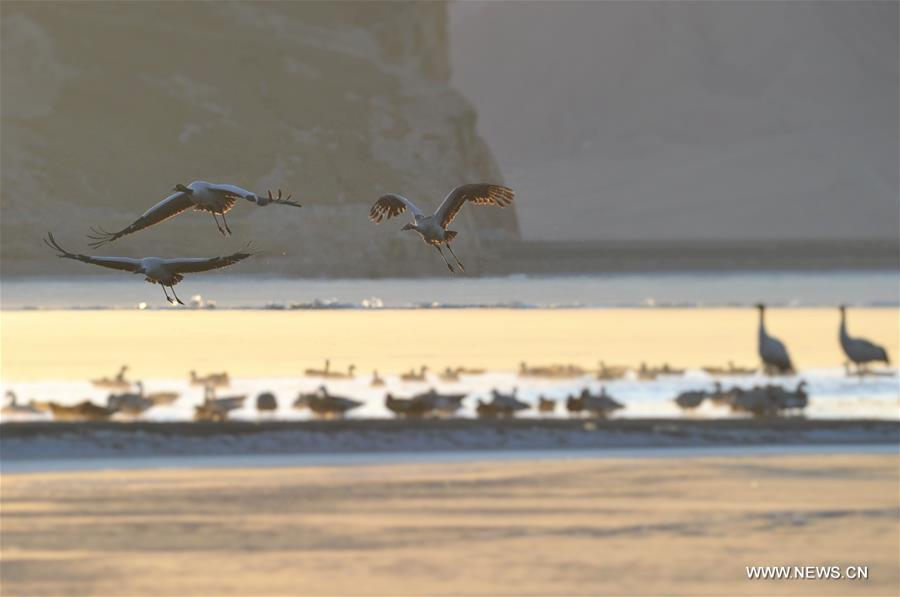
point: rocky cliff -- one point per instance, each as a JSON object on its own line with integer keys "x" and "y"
{"x": 689, "y": 120}
{"x": 105, "y": 106}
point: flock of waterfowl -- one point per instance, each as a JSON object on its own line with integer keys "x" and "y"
{"x": 218, "y": 199}
{"x": 128, "y": 399}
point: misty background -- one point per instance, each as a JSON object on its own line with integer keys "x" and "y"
{"x": 637, "y": 135}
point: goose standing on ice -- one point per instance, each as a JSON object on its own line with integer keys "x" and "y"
{"x": 774, "y": 355}
{"x": 859, "y": 350}
{"x": 130, "y": 403}
{"x": 433, "y": 228}
{"x": 211, "y": 379}
{"x": 116, "y": 383}
{"x": 324, "y": 404}
{"x": 411, "y": 375}
{"x": 165, "y": 272}
{"x": 12, "y": 406}
{"x": 691, "y": 399}
{"x": 266, "y": 402}
{"x": 215, "y": 199}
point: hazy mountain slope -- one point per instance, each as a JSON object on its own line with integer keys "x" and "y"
{"x": 106, "y": 106}
{"x": 689, "y": 120}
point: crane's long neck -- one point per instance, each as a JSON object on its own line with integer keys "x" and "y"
{"x": 844, "y": 335}
{"x": 762, "y": 324}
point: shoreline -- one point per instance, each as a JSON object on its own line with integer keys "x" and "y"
{"x": 25, "y": 443}
{"x": 405, "y": 458}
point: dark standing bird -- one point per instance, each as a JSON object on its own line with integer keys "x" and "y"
{"x": 266, "y": 402}
{"x": 165, "y": 272}
{"x": 771, "y": 350}
{"x": 691, "y": 399}
{"x": 859, "y": 350}
{"x": 215, "y": 199}
{"x": 324, "y": 404}
{"x": 433, "y": 228}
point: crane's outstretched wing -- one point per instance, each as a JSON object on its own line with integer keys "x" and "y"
{"x": 278, "y": 199}
{"x": 392, "y": 205}
{"x": 479, "y": 194}
{"x": 233, "y": 191}
{"x": 122, "y": 263}
{"x": 190, "y": 265}
{"x": 169, "y": 207}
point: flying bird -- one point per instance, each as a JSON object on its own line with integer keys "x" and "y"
{"x": 215, "y": 199}
{"x": 859, "y": 350}
{"x": 165, "y": 272}
{"x": 774, "y": 355}
{"x": 433, "y": 228}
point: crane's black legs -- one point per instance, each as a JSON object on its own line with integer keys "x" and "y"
{"x": 438, "y": 249}
{"x": 458, "y": 262}
{"x": 216, "y": 220}
{"x": 165, "y": 292}
{"x": 172, "y": 288}
{"x": 226, "y": 223}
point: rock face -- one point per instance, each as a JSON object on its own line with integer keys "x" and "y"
{"x": 106, "y": 106}
{"x": 689, "y": 120}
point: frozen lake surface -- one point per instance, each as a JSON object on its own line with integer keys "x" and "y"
{"x": 833, "y": 394}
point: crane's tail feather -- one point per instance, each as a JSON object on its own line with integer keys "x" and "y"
{"x": 250, "y": 249}
{"x": 51, "y": 242}
{"x": 101, "y": 237}
{"x": 281, "y": 199}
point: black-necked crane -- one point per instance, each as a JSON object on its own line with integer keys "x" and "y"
{"x": 772, "y": 351}
{"x": 859, "y": 350}
{"x": 433, "y": 228}
{"x": 165, "y": 272}
{"x": 215, "y": 199}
